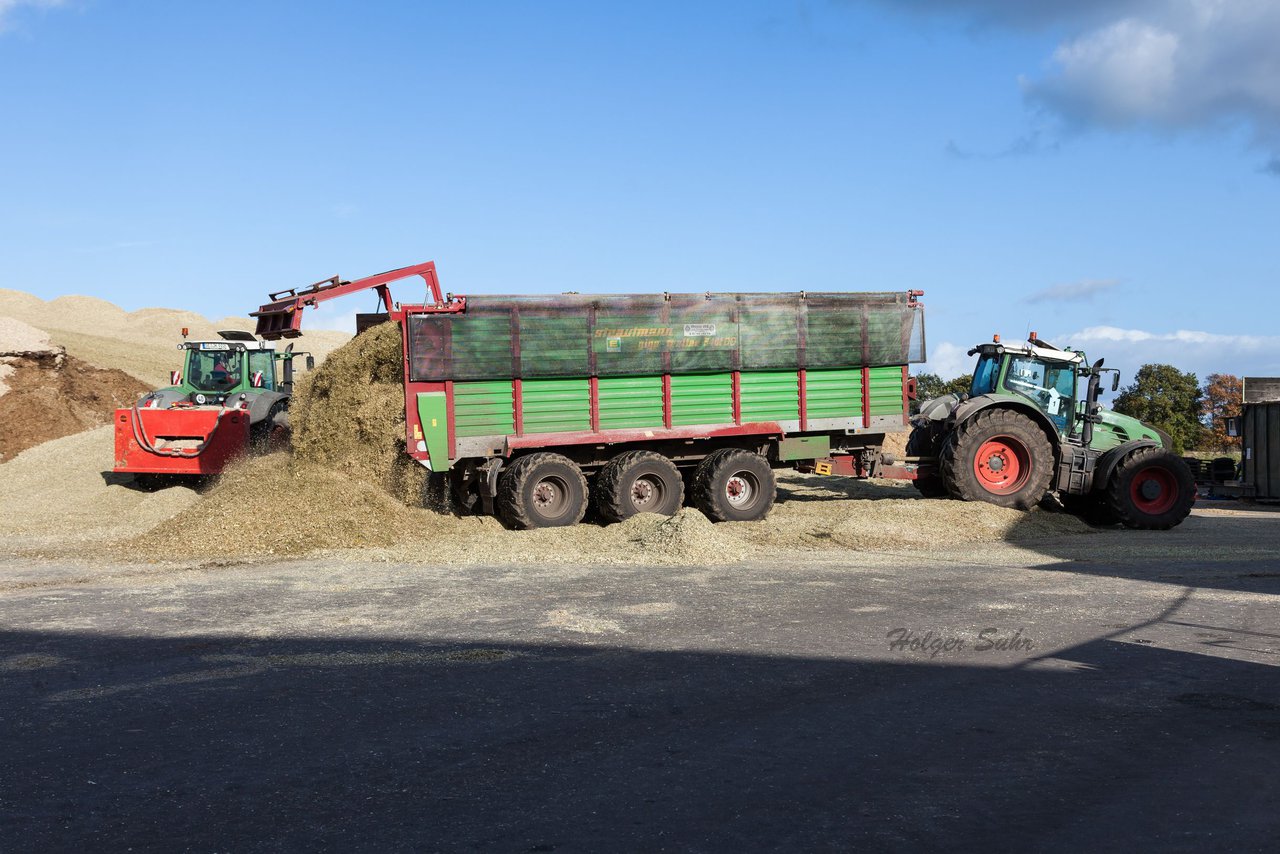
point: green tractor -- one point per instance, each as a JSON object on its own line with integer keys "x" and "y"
{"x": 1023, "y": 431}
{"x": 228, "y": 400}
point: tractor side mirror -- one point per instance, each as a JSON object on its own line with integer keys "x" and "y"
{"x": 1233, "y": 426}
{"x": 1115, "y": 381}
{"x": 311, "y": 363}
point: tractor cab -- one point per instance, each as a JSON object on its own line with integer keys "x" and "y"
{"x": 1037, "y": 372}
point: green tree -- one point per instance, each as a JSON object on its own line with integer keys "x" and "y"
{"x": 929, "y": 386}
{"x": 1167, "y": 398}
{"x": 1220, "y": 400}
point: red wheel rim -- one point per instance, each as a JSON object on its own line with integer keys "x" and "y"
{"x": 1002, "y": 465}
{"x": 1154, "y": 490}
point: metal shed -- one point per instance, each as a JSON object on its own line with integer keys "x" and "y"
{"x": 1260, "y": 434}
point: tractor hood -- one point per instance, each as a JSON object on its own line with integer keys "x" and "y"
{"x": 1116, "y": 429}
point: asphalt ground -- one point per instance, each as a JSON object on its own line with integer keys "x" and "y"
{"x": 1047, "y": 700}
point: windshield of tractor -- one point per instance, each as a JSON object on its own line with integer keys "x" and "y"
{"x": 1051, "y": 386}
{"x": 214, "y": 370}
{"x": 984, "y": 376}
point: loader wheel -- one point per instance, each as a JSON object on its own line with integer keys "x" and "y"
{"x": 260, "y": 434}
{"x": 998, "y": 456}
{"x": 732, "y": 485}
{"x": 1151, "y": 489}
{"x": 638, "y": 482}
{"x": 923, "y": 443}
{"x": 542, "y": 491}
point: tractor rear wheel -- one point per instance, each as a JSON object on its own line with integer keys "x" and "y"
{"x": 638, "y": 482}
{"x": 733, "y": 485}
{"x": 998, "y": 456}
{"x": 1151, "y": 489}
{"x": 542, "y": 491}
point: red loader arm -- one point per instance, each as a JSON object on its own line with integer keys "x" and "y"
{"x": 282, "y": 316}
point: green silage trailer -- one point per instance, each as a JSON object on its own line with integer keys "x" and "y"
{"x": 535, "y": 407}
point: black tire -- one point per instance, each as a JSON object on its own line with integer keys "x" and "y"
{"x": 542, "y": 491}
{"x": 923, "y": 442}
{"x": 732, "y": 485}
{"x": 1092, "y": 508}
{"x": 638, "y": 482}
{"x": 999, "y": 456}
{"x": 1151, "y": 489}
{"x": 260, "y": 433}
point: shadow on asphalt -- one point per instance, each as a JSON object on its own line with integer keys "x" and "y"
{"x": 236, "y": 743}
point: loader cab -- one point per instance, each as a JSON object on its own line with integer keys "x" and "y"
{"x": 216, "y": 370}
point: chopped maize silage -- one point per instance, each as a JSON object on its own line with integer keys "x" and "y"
{"x": 348, "y": 416}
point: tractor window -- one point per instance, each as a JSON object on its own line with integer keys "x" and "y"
{"x": 215, "y": 370}
{"x": 984, "y": 376}
{"x": 1052, "y": 387}
{"x": 260, "y": 362}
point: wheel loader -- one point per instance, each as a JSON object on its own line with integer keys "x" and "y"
{"x": 1023, "y": 431}
{"x": 226, "y": 400}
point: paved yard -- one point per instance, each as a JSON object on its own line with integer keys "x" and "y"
{"x": 1055, "y": 702}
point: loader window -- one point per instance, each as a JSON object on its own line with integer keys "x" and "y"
{"x": 260, "y": 361}
{"x": 214, "y": 370}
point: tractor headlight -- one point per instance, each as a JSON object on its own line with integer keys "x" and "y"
{"x": 201, "y": 399}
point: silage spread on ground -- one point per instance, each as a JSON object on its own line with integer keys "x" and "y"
{"x": 349, "y": 485}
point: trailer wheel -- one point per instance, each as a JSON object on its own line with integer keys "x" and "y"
{"x": 542, "y": 491}
{"x": 998, "y": 456}
{"x": 732, "y": 485}
{"x": 1151, "y": 489}
{"x": 638, "y": 482}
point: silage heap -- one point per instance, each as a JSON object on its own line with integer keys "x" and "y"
{"x": 349, "y": 485}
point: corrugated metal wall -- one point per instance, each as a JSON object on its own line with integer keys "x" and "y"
{"x": 1261, "y": 448}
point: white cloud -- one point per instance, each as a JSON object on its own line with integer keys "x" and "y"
{"x": 7, "y": 7}
{"x": 947, "y": 361}
{"x": 1201, "y": 353}
{"x": 1081, "y": 291}
{"x": 1171, "y": 65}
{"x": 1164, "y": 65}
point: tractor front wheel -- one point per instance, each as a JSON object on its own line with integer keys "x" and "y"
{"x": 998, "y": 456}
{"x": 542, "y": 491}
{"x": 1151, "y": 489}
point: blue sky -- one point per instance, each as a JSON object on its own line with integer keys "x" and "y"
{"x": 1106, "y": 173}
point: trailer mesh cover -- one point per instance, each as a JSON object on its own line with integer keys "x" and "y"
{"x": 500, "y": 337}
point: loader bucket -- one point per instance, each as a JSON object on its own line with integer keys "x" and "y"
{"x": 179, "y": 441}
{"x": 278, "y": 320}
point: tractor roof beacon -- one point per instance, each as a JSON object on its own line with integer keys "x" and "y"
{"x": 1024, "y": 430}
